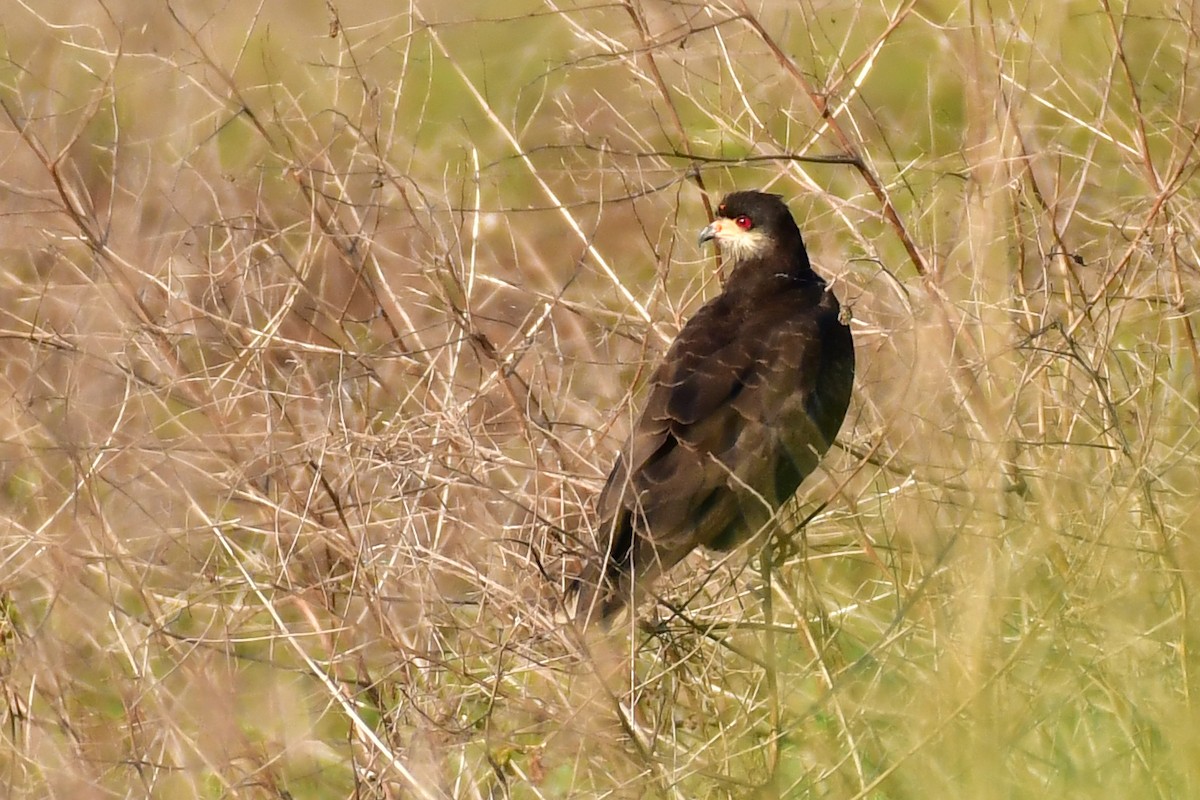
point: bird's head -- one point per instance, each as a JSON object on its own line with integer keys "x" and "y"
{"x": 750, "y": 224}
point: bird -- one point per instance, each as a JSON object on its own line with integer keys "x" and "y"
{"x": 748, "y": 398}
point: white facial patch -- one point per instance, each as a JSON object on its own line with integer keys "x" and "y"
{"x": 739, "y": 244}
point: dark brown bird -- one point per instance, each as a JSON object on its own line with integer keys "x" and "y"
{"x": 748, "y": 398}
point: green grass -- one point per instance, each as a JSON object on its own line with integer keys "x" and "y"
{"x": 311, "y": 375}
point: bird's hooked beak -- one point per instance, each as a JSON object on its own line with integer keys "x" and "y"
{"x": 710, "y": 232}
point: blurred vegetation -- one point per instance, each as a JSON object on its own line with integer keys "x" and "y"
{"x": 321, "y": 324}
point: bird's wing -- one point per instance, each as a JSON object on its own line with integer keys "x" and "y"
{"x": 725, "y": 436}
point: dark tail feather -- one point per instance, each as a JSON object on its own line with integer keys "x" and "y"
{"x": 603, "y": 587}
{"x": 597, "y": 593}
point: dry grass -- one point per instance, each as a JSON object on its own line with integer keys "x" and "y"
{"x": 321, "y": 324}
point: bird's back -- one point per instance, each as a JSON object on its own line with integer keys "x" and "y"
{"x": 748, "y": 398}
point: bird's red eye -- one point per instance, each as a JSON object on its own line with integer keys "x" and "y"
{"x": 743, "y": 222}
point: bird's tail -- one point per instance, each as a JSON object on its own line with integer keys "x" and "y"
{"x": 603, "y": 586}
{"x": 595, "y": 596}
